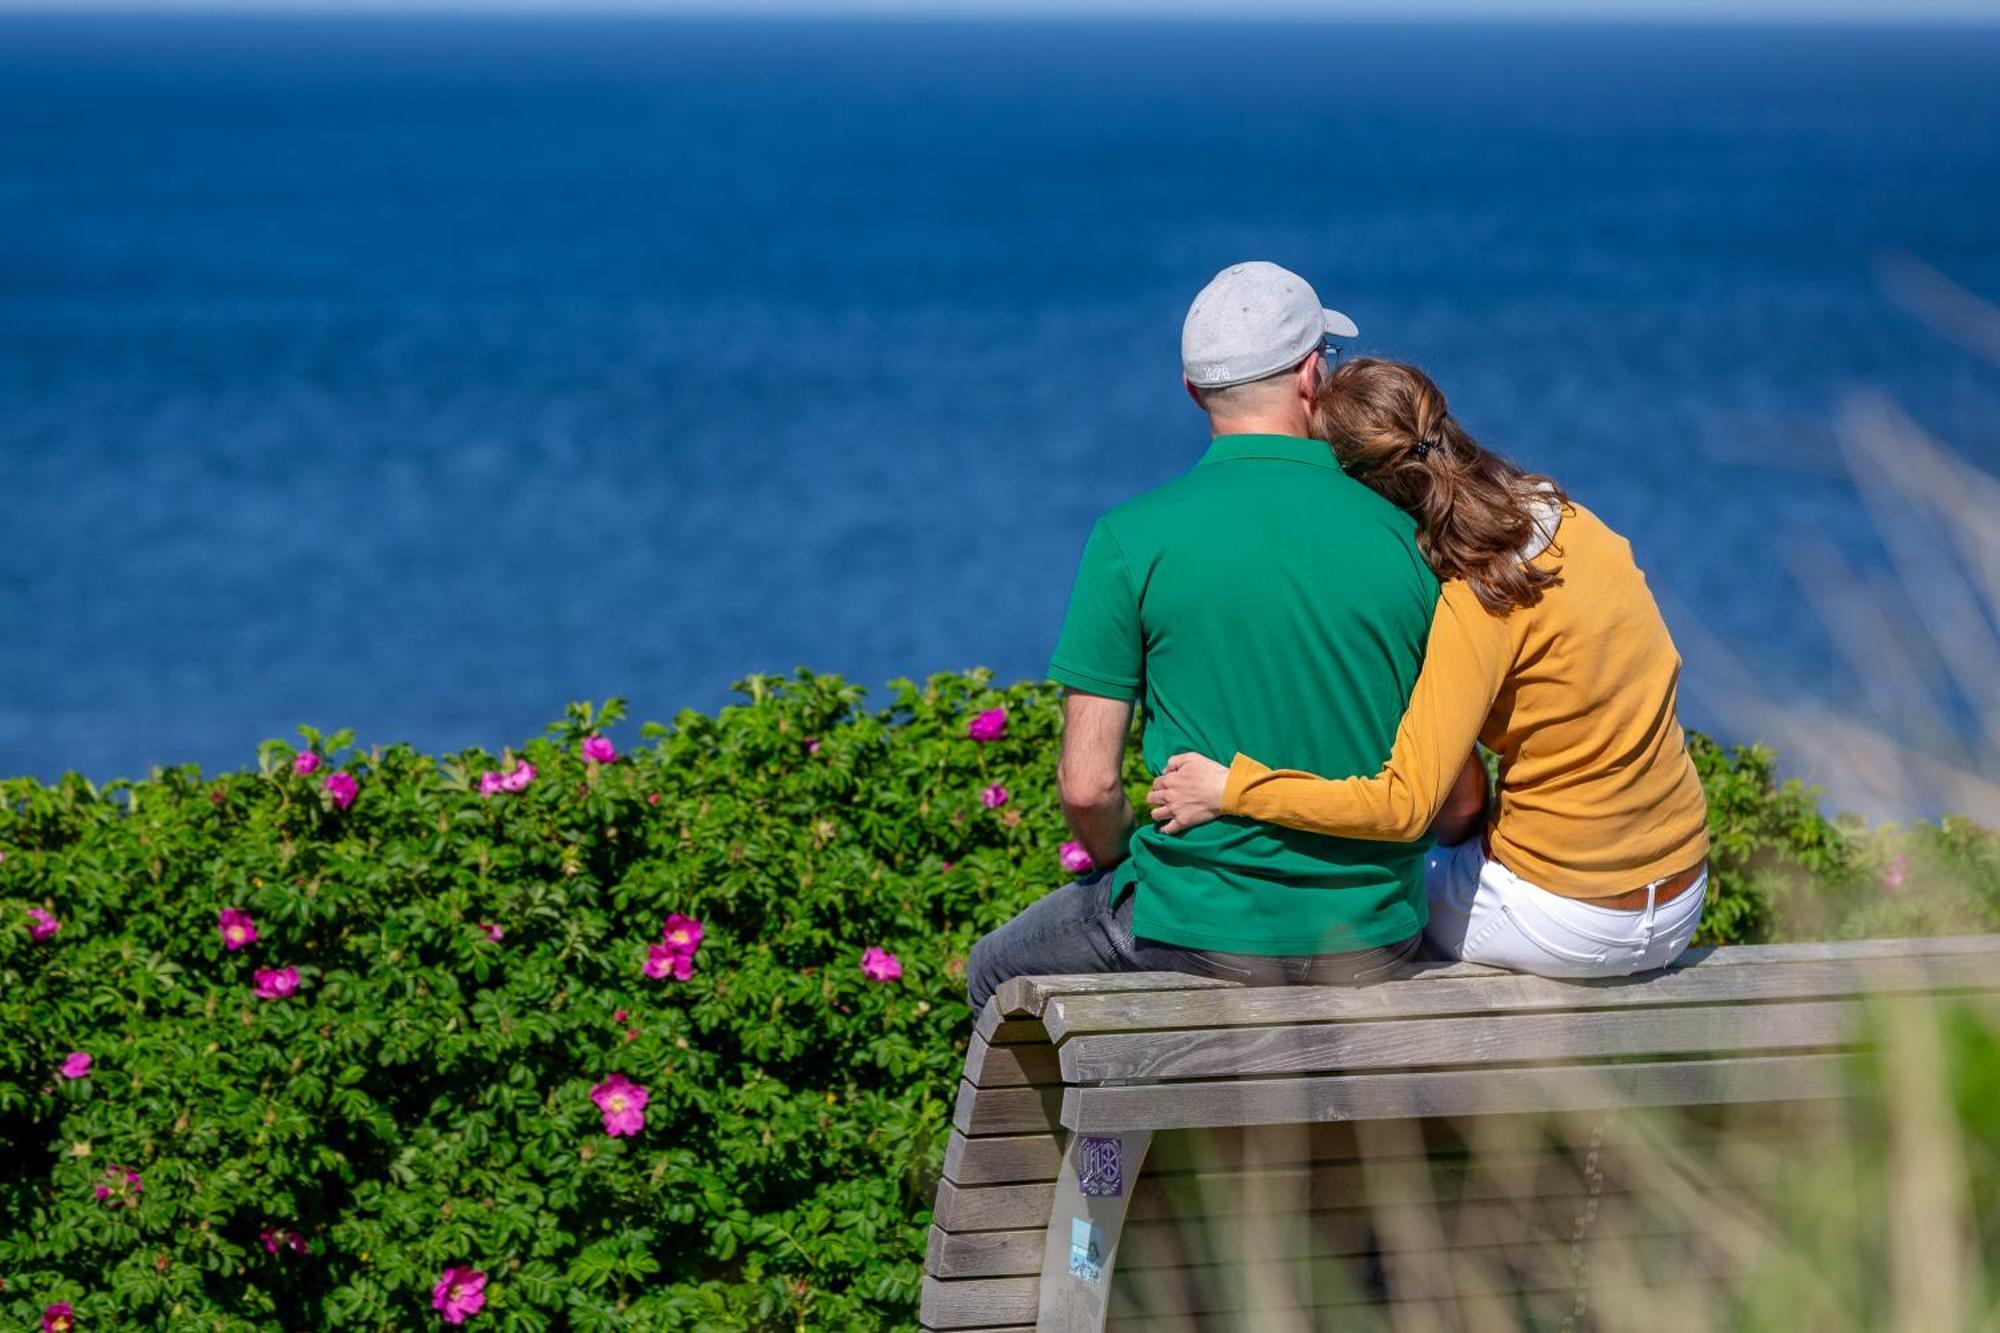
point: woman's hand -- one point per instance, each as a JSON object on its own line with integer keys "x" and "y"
{"x": 1188, "y": 793}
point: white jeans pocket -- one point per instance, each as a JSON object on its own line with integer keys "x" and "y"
{"x": 1578, "y": 950}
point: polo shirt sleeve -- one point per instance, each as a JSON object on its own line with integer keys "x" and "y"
{"x": 1465, "y": 666}
{"x": 1102, "y": 650}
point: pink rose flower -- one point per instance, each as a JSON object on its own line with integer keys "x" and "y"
{"x": 618, "y": 1015}
{"x": 237, "y": 928}
{"x": 280, "y": 1238}
{"x": 878, "y": 964}
{"x": 950, "y": 866}
{"x": 59, "y": 1318}
{"x": 489, "y": 783}
{"x": 518, "y": 780}
{"x": 493, "y": 932}
{"x": 305, "y": 762}
{"x": 623, "y": 1103}
{"x": 275, "y": 983}
{"x": 43, "y": 925}
{"x": 599, "y": 750}
{"x": 994, "y": 797}
{"x": 342, "y": 788}
{"x": 1896, "y": 872}
{"x": 124, "y": 1187}
{"x": 1074, "y": 859}
{"x": 75, "y": 1065}
{"x": 990, "y": 725}
{"x": 663, "y": 960}
{"x": 812, "y": 745}
{"x": 459, "y": 1292}
{"x": 681, "y": 933}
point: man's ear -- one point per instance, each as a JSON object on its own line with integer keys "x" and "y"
{"x": 1306, "y": 378}
{"x": 1193, "y": 393}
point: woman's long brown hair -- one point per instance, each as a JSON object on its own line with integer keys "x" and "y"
{"x": 1391, "y": 430}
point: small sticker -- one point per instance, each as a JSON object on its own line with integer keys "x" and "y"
{"x": 1086, "y": 1252}
{"x": 1099, "y": 1173}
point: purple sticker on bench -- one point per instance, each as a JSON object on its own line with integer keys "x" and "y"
{"x": 1099, "y": 1172}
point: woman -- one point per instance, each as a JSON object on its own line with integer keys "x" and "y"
{"x": 1548, "y": 649}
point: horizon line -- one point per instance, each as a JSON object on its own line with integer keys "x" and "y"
{"x": 1966, "y": 13}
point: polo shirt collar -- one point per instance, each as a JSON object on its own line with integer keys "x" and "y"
{"x": 1280, "y": 448}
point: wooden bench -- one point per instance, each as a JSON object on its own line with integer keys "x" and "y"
{"x": 1090, "y": 1101}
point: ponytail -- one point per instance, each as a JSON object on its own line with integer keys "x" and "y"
{"x": 1475, "y": 511}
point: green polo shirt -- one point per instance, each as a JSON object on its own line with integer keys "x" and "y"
{"x": 1265, "y": 602}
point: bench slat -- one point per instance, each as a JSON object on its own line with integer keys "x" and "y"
{"x": 993, "y": 1207}
{"x": 1163, "y": 1298}
{"x": 1936, "y": 946}
{"x": 1022, "y": 1064}
{"x": 1154, "y": 1240}
{"x": 1001, "y": 1159}
{"x": 1068, "y": 1017}
{"x": 985, "y": 1253}
{"x": 1470, "y": 1092}
{"x": 1029, "y": 995}
{"x": 972, "y": 1303}
{"x": 1000, "y": 1030}
{"x": 1006, "y": 1110}
{"x": 1426, "y": 1042}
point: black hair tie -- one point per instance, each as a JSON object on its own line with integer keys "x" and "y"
{"x": 1422, "y": 448}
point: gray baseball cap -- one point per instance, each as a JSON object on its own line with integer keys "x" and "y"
{"x": 1254, "y": 319}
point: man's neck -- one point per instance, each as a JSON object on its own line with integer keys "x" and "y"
{"x": 1260, "y": 424}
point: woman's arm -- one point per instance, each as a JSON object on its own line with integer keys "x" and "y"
{"x": 1465, "y": 665}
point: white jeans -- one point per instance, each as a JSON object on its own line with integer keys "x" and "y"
{"x": 1482, "y": 912}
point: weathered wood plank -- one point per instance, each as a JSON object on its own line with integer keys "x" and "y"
{"x": 1470, "y": 1092}
{"x": 999, "y": 1030}
{"x": 992, "y": 1207}
{"x": 1069, "y": 1017}
{"x": 1001, "y": 1159}
{"x": 1938, "y": 946}
{"x": 1155, "y": 1240}
{"x": 1442, "y": 1137}
{"x": 1349, "y": 1185}
{"x": 1026, "y": 996}
{"x": 955, "y": 1254}
{"x": 971, "y": 1303}
{"x": 1745, "y": 955}
{"x": 1428, "y": 1042}
{"x": 1164, "y": 1298}
{"x": 1166, "y": 1240}
{"x": 1021, "y": 1065}
{"x": 1006, "y": 1110}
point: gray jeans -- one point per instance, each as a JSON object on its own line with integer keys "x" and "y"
{"x": 1079, "y": 928}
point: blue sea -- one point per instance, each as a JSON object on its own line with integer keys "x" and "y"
{"x": 420, "y": 375}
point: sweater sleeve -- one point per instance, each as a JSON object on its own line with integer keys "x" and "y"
{"x": 1465, "y": 664}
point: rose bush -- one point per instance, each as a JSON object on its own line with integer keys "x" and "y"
{"x": 575, "y": 1037}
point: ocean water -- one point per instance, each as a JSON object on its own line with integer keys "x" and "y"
{"x": 421, "y": 375}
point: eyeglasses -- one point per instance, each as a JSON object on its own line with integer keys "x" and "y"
{"x": 1329, "y": 351}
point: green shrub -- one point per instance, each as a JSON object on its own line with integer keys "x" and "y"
{"x": 1766, "y": 837}
{"x": 424, "y": 1100}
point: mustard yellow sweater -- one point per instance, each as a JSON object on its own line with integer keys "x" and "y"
{"x": 1577, "y": 696}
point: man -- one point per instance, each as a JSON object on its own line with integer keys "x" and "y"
{"x": 1264, "y": 602}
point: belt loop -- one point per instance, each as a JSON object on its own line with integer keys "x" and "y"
{"x": 1652, "y": 911}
